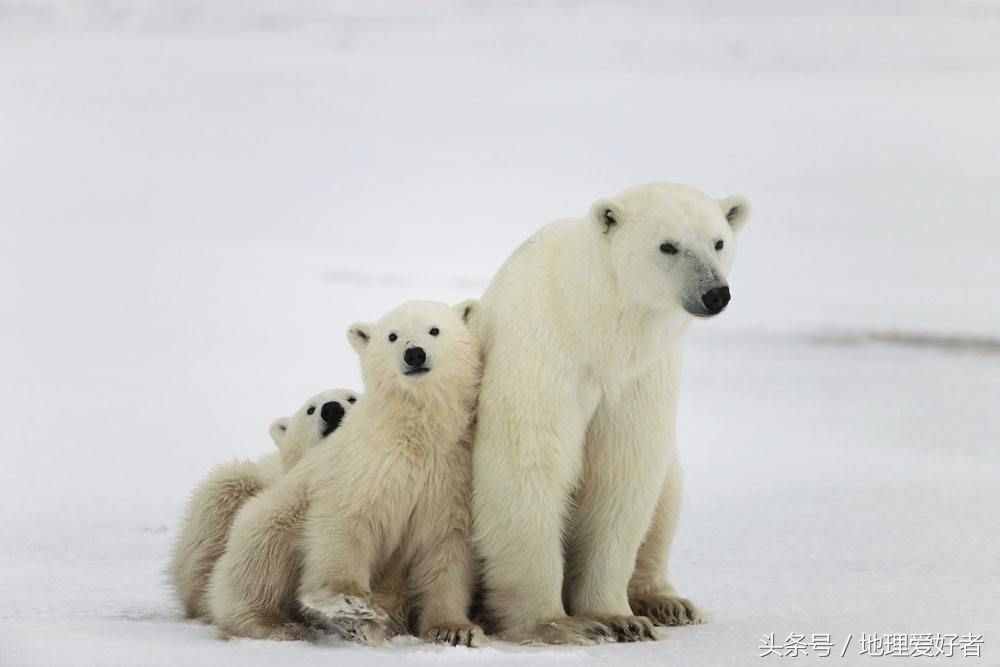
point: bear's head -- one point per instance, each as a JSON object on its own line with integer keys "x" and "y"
{"x": 320, "y": 416}
{"x": 672, "y": 246}
{"x": 423, "y": 349}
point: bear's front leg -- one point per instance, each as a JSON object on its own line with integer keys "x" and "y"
{"x": 442, "y": 574}
{"x": 526, "y": 461}
{"x": 626, "y": 458}
{"x": 650, "y": 593}
{"x": 443, "y": 579}
{"x": 340, "y": 552}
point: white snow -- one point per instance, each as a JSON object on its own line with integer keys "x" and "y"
{"x": 197, "y": 200}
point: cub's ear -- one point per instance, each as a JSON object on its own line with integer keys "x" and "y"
{"x": 607, "y": 213}
{"x": 736, "y": 208}
{"x": 359, "y": 335}
{"x": 278, "y": 430}
{"x": 467, "y": 309}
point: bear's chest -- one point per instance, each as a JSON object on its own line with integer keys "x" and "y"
{"x": 628, "y": 347}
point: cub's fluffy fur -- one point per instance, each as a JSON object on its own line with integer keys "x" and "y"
{"x": 384, "y": 511}
{"x": 215, "y": 501}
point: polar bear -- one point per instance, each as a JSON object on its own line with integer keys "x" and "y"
{"x": 215, "y": 501}
{"x": 384, "y": 511}
{"x": 576, "y": 476}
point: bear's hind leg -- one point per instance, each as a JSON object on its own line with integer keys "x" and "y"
{"x": 205, "y": 529}
{"x": 253, "y": 585}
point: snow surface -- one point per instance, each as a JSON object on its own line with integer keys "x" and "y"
{"x": 197, "y": 200}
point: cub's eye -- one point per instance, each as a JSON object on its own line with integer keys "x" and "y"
{"x": 719, "y": 244}
{"x": 312, "y": 409}
{"x": 352, "y": 400}
{"x": 393, "y": 337}
{"x": 668, "y": 248}
{"x": 434, "y": 331}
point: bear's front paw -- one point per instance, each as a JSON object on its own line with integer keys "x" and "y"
{"x": 665, "y": 609}
{"x": 333, "y": 608}
{"x": 373, "y": 633}
{"x": 464, "y": 634}
{"x": 629, "y": 628}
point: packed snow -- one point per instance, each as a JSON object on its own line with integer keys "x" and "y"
{"x": 196, "y": 202}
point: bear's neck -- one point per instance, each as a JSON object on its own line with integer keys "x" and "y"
{"x": 438, "y": 418}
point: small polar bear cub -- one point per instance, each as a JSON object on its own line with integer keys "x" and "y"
{"x": 400, "y": 492}
{"x": 214, "y": 503}
{"x": 320, "y": 416}
{"x": 342, "y": 540}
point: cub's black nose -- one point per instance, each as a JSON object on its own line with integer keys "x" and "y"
{"x": 415, "y": 357}
{"x": 716, "y": 299}
{"x": 332, "y": 412}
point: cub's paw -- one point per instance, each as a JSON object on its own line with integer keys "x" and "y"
{"x": 372, "y": 633}
{"x": 289, "y": 632}
{"x": 666, "y": 609}
{"x": 327, "y": 607}
{"x": 630, "y": 628}
{"x": 465, "y": 634}
{"x": 564, "y": 630}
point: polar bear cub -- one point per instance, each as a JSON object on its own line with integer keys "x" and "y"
{"x": 327, "y": 543}
{"x": 215, "y": 501}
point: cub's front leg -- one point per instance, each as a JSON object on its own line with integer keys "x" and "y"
{"x": 443, "y": 572}
{"x": 336, "y": 579}
{"x": 349, "y": 532}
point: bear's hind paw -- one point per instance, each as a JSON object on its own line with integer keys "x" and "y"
{"x": 566, "y": 630}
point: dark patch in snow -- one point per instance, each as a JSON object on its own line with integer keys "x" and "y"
{"x": 913, "y": 339}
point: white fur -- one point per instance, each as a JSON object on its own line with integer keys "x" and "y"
{"x": 215, "y": 501}
{"x": 574, "y": 451}
{"x": 383, "y": 512}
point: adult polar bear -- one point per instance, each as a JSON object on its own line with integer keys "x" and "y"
{"x": 576, "y": 478}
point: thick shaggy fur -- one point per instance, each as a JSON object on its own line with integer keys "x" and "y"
{"x": 577, "y": 482}
{"x": 215, "y": 501}
{"x": 384, "y": 511}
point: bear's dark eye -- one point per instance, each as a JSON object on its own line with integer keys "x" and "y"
{"x": 352, "y": 400}
{"x": 393, "y": 337}
{"x": 312, "y": 409}
{"x": 719, "y": 245}
{"x": 668, "y": 248}
{"x": 435, "y": 331}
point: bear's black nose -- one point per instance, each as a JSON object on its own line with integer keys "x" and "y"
{"x": 332, "y": 413}
{"x": 415, "y": 357}
{"x": 716, "y": 299}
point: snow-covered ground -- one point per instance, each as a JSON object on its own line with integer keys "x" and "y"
{"x": 195, "y": 203}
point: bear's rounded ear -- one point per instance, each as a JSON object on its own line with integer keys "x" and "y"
{"x": 607, "y": 213}
{"x": 736, "y": 208}
{"x": 279, "y": 427}
{"x": 467, "y": 309}
{"x": 359, "y": 335}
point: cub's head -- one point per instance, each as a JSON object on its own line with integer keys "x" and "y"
{"x": 671, "y": 245}
{"x": 318, "y": 418}
{"x": 420, "y": 348}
